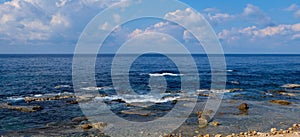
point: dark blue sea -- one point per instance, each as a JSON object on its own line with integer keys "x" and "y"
{"x": 257, "y": 79}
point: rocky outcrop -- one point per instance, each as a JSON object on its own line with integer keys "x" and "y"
{"x": 46, "y": 98}
{"x": 21, "y": 108}
{"x": 98, "y": 125}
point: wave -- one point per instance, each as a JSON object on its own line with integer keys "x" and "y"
{"x": 164, "y": 74}
{"x": 92, "y": 88}
{"x": 62, "y": 86}
{"x": 138, "y": 98}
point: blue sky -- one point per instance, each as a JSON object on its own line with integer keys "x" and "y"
{"x": 256, "y": 26}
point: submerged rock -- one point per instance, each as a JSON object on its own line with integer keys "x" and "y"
{"x": 281, "y": 102}
{"x": 137, "y": 112}
{"x": 21, "y": 108}
{"x": 243, "y": 107}
{"x": 79, "y": 119}
{"x": 215, "y": 123}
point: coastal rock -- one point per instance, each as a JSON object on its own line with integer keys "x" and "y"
{"x": 47, "y": 98}
{"x": 79, "y": 119}
{"x": 21, "y": 108}
{"x": 281, "y": 102}
{"x": 98, "y": 125}
{"x": 243, "y": 107}
{"x": 202, "y": 120}
{"x": 86, "y": 126}
{"x": 215, "y": 123}
{"x": 72, "y": 101}
{"x": 291, "y": 86}
{"x": 235, "y": 90}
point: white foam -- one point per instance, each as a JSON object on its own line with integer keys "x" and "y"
{"x": 15, "y": 98}
{"x": 138, "y": 98}
{"x": 62, "y": 86}
{"x": 164, "y": 74}
{"x": 92, "y": 88}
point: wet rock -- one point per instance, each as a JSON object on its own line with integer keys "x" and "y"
{"x": 21, "y": 108}
{"x": 47, "y": 98}
{"x": 118, "y": 100}
{"x": 79, "y": 119}
{"x": 215, "y": 123}
{"x": 235, "y": 90}
{"x": 72, "y": 101}
{"x": 86, "y": 126}
{"x": 243, "y": 107}
{"x": 281, "y": 102}
{"x": 291, "y": 86}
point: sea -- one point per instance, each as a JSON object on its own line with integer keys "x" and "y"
{"x": 155, "y": 79}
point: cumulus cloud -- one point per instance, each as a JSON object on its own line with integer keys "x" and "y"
{"x": 256, "y": 15}
{"x": 26, "y": 21}
{"x": 253, "y": 33}
{"x": 294, "y": 8}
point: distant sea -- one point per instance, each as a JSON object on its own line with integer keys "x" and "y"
{"x": 259, "y": 78}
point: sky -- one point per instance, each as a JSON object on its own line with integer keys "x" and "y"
{"x": 241, "y": 26}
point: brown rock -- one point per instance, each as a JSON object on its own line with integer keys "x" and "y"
{"x": 243, "y": 107}
{"x": 281, "y": 102}
{"x": 86, "y": 126}
{"x": 215, "y": 123}
{"x": 46, "y": 98}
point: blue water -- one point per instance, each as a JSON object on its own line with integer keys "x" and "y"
{"x": 30, "y": 75}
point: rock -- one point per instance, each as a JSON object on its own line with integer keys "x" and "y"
{"x": 281, "y": 102}
{"x": 243, "y": 107}
{"x": 118, "y": 100}
{"x": 292, "y": 86}
{"x": 218, "y": 135}
{"x": 215, "y": 123}
{"x": 202, "y": 120}
{"x": 46, "y": 98}
{"x": 99, "y": 125}
{"x": 86, "y": 126}
{"x": 79, "y": 119}
{"x": 235, "y": 90}
{"x": 72, "y": 101}
{"x": 21, "y": 108}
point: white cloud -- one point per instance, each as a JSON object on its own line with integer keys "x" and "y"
{"x": 52, "y": 21}
{"x": 284, "y": 32}
{"x": 292, "y": 7}
{"x": 297, "y": 14}
{"x": 58, "y": 19}
{"x": 135, "y": 33}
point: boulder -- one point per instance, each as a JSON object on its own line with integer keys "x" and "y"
{"x": 243, "y": 107}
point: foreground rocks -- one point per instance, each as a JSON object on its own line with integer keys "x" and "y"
{"x": 98, "y": 125}
{"x": 21, "y": 108}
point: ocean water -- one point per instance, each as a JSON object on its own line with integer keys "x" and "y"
{"x": 259, "y": 78}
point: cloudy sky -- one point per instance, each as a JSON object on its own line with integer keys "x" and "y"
{"x": 54, "y": 26}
